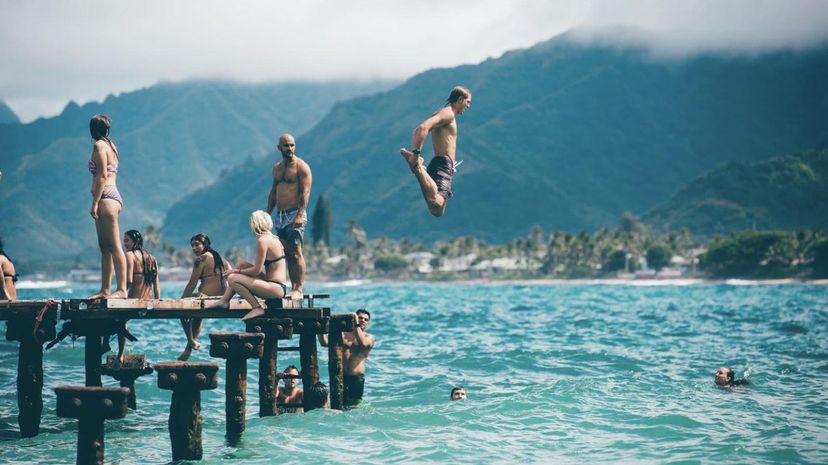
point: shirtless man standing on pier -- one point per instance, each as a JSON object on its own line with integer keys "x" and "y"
{"x": 289, "y": 195}
{"x": 357, "y": 345}
{"x": 435, "y": 181}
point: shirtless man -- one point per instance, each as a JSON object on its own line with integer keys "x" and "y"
{"x": 357, "y": 345}
{"x": 289, "y": 195}
{"x": 290, "y": 394}
{"x": 435, "y": 181}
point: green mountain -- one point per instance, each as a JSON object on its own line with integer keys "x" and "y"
{"x": 560, "y": 135}
{"x": 173, "y": 139}
{"x": 785, "y": 193}
{"x": 7, "y": 115}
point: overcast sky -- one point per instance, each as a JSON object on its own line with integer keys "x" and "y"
{"x": 55, "y": 51}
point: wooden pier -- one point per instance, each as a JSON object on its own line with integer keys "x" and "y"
{"x": 34, "y": 323}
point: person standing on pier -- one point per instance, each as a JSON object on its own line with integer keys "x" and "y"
{"x": 435, "y": 181}
{"x": 208, "y": 270}
{"x": 106, "y": 206}
{"x": 289, "y": 195}
{"x": 8, "y": 277}
{"x": 357, "y": 346}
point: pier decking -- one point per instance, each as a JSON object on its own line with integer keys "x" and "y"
{"x": 34, "y": 323}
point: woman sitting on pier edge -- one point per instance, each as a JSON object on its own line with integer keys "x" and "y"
{"x": 106, "y": 206}
{"x": 265, "y": 277}
{"x": 7, "y": 276}
{"x": 142, "y": 276}
{"x": 208, "y": 269}
{"x": 142, "y": 268}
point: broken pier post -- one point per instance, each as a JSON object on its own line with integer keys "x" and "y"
{"x": 30, "y": 333}
{"x": 273, "y": 329}
{"x": 236, "y": 348}
{"x": 133, "y": 367}
{"x": 336, "y": 371}
{"x": 186, "y": 381}
{"x": 308, "y": 328}
{"x": 91, "y": 405}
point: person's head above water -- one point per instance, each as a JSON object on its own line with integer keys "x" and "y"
{"x": 290, "y": 383}
{"x": 458, "y": 393}
{"x": 316, "y": 396}
{"x": 287, "y": 146}
{"x": 363, "y": 318}
{"x": 724, "y": 376}
{"x": 727, "y": 377}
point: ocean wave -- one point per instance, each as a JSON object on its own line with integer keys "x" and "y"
{"x": 26, "y": 284}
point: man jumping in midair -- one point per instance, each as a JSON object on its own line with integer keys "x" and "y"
{"x": 435, "y": 181}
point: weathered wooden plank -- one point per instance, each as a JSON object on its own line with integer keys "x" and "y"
{"x": 152, "y": 309}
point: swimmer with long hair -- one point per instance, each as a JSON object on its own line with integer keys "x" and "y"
{"x": 208, "y": 273}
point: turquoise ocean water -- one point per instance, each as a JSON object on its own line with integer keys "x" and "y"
{"x": 555, "y": 374}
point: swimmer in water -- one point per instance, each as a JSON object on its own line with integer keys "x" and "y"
{"x": 725, "y": 377}
{"x": 458, "y": 393}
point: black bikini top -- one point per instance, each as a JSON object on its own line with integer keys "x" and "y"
{"x": 270, "y": 262}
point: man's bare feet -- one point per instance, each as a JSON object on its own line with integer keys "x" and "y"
{"x": 118, "y": 295}
{"x": 294, "y": 294}
{"x": 195, "y": 345}
{"x": 99, "y": 295}
{"x": 217, "y": 304}
{"x": 254, "y": 313}
{"x": 412, "y": 159}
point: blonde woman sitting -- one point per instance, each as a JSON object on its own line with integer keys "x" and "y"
{"x": 265, "y": 277}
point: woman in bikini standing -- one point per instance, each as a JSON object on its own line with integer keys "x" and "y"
{"x": 8, "y": 277}
{"x": 142, "y": 276}
{"x": 106, "y": 206}
{"x": 209, "y": 268}
{"x": 266, "y": 277}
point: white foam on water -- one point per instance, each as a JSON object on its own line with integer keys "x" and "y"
{"x": 24, "y": 284}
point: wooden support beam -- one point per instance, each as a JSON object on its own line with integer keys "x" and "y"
{"x": 91, "y": 406}
{"x": 309, "y": 363}
{"x": 236, "y": 348}
{"x": 186, "y": 380}
{"x": 288, "y": 349}
{"x": 134, "y": 366}
{"x": 274, "y": 329}
{"x": 31, "y": 335}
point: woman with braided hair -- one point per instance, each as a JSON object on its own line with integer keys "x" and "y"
{"x": 208, "y": 269}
